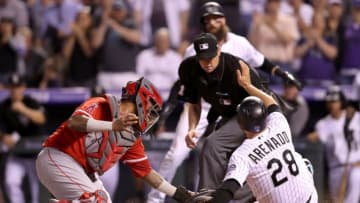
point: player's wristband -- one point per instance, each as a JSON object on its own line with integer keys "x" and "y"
{"x": 97, "y": 125}
{"x": 167, "y": 188}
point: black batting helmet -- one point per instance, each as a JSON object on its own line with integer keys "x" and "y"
{"x": 334, "y": 93}
{"x": 251, "y": 114}
{"x": 211, "y": 8}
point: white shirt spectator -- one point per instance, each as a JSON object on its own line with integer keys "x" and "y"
{"x": 161, "y": 69}
{"x": 172, "y": 9}
{"x": 250, "y": 7}
{"x": 306, "y": 11}
{"x": 16, "y": 10}
{"x": 62, "y": 21}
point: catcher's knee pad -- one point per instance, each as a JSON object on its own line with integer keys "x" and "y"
{"x": 99, "y": 196}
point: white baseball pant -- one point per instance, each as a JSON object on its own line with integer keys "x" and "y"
{"x": 64, "y": 177}
{"x": 178, "y": 151}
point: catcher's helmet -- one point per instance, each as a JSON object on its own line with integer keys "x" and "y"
{"x": 211, "y": 8}
{"x": 251, "y": 114}
{"x": 334, "y": 93}
{"x": 147, "y": 100}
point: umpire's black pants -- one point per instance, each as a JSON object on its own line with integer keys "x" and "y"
{"x": 215, "y": 155}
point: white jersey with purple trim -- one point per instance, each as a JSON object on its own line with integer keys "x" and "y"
{"x": 273, "y": 169}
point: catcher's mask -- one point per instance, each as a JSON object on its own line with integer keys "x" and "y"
{"x": 147, "y": 100}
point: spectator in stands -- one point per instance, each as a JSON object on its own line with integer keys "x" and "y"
{"x": 268, "y": 35}
{"x": 101, "y": 10}
{"x": 36, "y": 17}
{"x": 79, "y": 54}
{"x": 8, "y": 53}
{"x": 249, "y": 9}
{"x": 21, "y": 117}
{"x": 335, "y": 23}
{"x": 320, "y": 6}
{"x": 302, "y": 11}
{"x": 351, "y": 60}
{"x": 50, "y": 75}
{"x": 159, "y": 63}
{"x": 299, "y": 115}
{"x": 150, "y": 15}
{"x": 339, "y": 131}
{"x": 57, "y": 22}
{"x": 16, "y": 10}
{"x": 33, "y": 57}
{"x": 119, "y": 39}
{"x": 318, "y": 50}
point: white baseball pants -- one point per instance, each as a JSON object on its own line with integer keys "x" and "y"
{"x": 63, "y": 176}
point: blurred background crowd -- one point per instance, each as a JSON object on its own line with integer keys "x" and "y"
{"x": 66, "y": 43}
{"x": 105, "y": 43}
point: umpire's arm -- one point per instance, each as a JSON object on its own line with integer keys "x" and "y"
{"x": 194, "y": 117}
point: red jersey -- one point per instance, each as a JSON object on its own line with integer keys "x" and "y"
{"x": 99, "y": 151}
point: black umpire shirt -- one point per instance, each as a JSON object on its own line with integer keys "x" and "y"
{"x": 219, "y": 88}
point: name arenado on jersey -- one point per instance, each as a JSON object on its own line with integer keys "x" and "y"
{"x": 268, "y": 146}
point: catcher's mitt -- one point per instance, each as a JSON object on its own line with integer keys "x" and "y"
{"x": 204, "y": 196}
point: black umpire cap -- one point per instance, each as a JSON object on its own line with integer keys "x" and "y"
{"x": 205, "y": 46}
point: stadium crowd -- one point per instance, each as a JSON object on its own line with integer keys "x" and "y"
{"x": 83, "y": 43}
{"x": 65, "y": 43}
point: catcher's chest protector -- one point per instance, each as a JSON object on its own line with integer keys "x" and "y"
{"x": 105, "y": 148}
